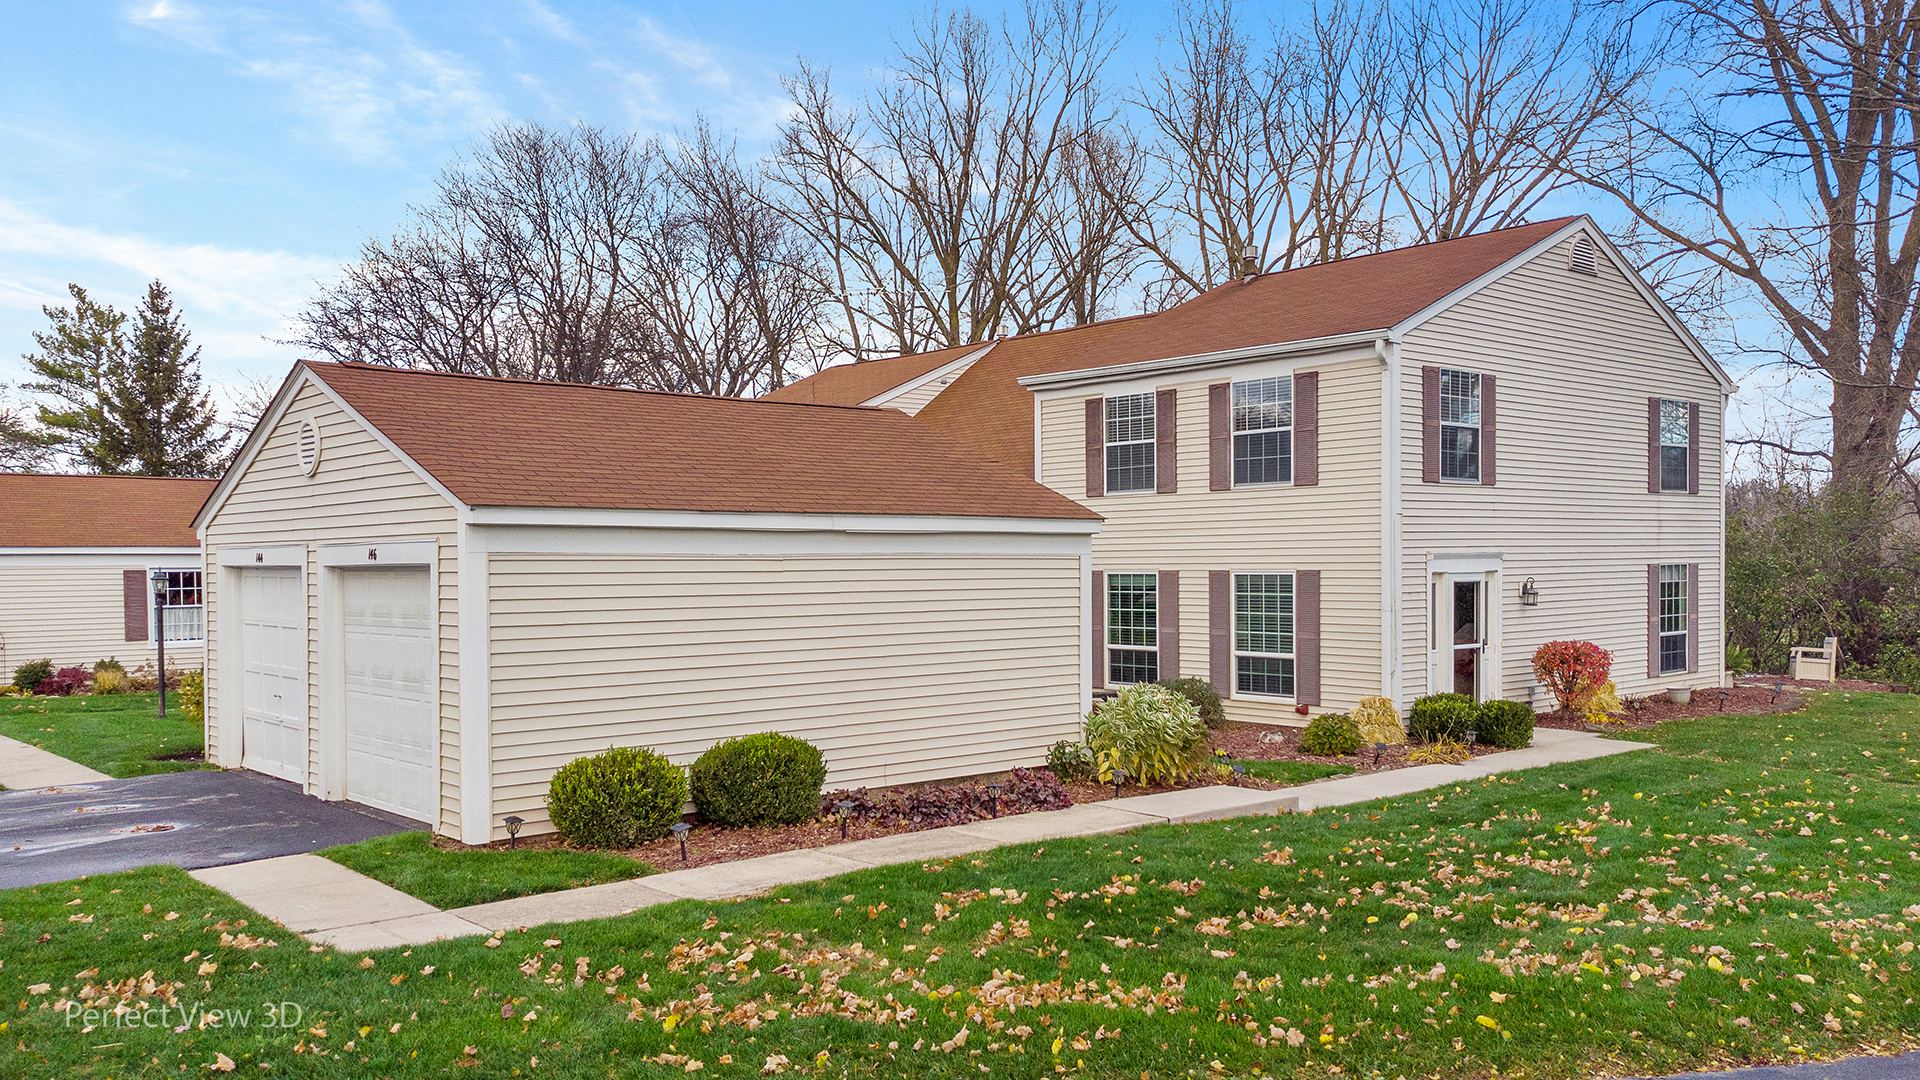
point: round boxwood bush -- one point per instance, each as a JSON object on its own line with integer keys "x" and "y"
{"x": 1506, "y": 724}
{"x": 1441, "y": 716}
{"x": 1205, "y": 699}
{"x": 1330, "y": 735}
{"x": 764, "y": 779}
{"x": 619, "y": 799}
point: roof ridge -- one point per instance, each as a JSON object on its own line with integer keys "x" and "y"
{"x": 106, "y": 476}
{"x": 361, "y": 365}
{"x": 1562, "y": 220}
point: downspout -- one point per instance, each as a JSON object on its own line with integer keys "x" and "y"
{"x": 1391, "y": 684}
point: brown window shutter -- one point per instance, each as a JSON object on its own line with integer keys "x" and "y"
{"x": 1693, "y": 617}
{"x": 1166, "y": 439}
{"x": 1096, "y": 447}
{"x": 1653, "y": 620}
{"x": 1168, "y": 612}
{"x": 1693, "y": 448}
{"x": 1653, "y": 446}
{"x": 1220, "y": 437}
{"x": 1220, "y": 631}
{"x": 133, "y": 602}
{"x": 1489, "y": 414}
{"x": 1306, "y": 428}
{"x": 1306, "y": 637}
{"x": 1430, "y": 425}
{"x": 1099, "y": 629}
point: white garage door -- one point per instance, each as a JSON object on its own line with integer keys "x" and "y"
{"x": 391, "y": 668}
{"x": 273, "y": 660}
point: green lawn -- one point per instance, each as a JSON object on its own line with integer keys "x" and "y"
{"x": 1292, "y": 772}
{"x": 1749, "y": 892}
{"x": 118, "y": 734}
{"x": 447, "y": 879}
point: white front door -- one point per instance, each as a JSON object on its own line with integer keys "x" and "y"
{"x": 391, "y": 669}
{"x": 273, "y": 666}
{"x": 1462, "y": 629}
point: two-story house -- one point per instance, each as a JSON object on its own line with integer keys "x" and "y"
{"x": 1396, "y": 474}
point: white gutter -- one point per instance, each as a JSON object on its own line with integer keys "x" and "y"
{"x": 778, "y": 522}
{"x": 1060, "y": 379}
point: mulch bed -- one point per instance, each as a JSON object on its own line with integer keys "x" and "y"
{"x": 1259, "y": 742}
{"x": 1746, "y": 699}
{"x": 1853, "y": 685}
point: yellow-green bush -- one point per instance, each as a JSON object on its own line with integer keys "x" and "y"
{"x": 1378, "y": 721}
{"x": 1152, "y": 732}
{"x": 193, "y": 691}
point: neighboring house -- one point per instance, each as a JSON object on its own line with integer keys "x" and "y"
{"x": 427, "y": 592}
{"x": 76, "y": 554}
{"x": 1395, "y": 474}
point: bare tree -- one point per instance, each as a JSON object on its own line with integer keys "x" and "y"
{"x": 23, "y": 448}
{"x": 929, "y": 197}
{"x": 1791, "y": 168}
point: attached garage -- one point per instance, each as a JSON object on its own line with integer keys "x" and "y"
{"x": 427, "y": 592}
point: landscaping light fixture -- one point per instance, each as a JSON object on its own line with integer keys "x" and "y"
{"x": 1724, "y": 694}
{"x": 1777, "y": 687}
{"x": 1473, "y": 737}
{"x": 993, "y": 790}
{"x": 1378, "y": 749}
{"x": 513, "y": 823}
{"x": 1119, "y": 777}
{"x": 1529, "y": 594}
{"x": 1239, "y": 772}
{"x": 845, "y": 806}
{"x": 680, "y": 829}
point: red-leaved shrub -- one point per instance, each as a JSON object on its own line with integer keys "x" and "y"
{"x": 66, "y": 681}
{"x": 1573, "y": 670}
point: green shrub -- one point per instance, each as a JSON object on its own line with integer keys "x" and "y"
{"x": 32, "y": 674}
{"x": 619, "y": 799}
{"x": 1070, "y": 761}
{"x": 764, "y": 779}
{"x": 1505, "y": 724}
{"x": 1205, "y": 699}
{"x": 1740, "y": 662}
{"x": 109, "y": 664}
{"x": 1330, "y": 735}
{"x": 1152, "y": 732}
{"x": 193, "y": 692}
{"x": 1441, "y": 716}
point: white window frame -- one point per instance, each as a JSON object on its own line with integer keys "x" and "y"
{"x": 1108, "y": 426}
{"x": 1675, "y": 624}
{"x": 1285, "y": 382}
{"x": 1479, "y": 443}
{"x": 153, "y": 612}
{"x": 1290, "y": 655}
{"x": 1152, "y": 628}
{"x": 1684, "y": 410}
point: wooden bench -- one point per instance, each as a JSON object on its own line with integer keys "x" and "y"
{"x": 1821, "y": 664}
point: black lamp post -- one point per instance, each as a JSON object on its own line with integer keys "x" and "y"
{"x": 513, "y": 823}
{"x": 159, "y": 579}
{"x": 680, "y": 830}
{"x": 845, "y": 806}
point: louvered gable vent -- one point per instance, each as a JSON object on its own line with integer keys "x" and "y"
{"x": 308, "y": 446}
{"x": 1585, "y": 258}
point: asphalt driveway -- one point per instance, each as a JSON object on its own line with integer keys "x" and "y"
{"x": 1903, "y": 1067}
{"x": 190, "y": 819}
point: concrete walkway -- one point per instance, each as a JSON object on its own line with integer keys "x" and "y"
{"x": 336, "y": 906}
{"x": 23, "y": 765}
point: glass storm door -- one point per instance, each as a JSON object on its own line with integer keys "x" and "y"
{"x": 1469, "y": 635}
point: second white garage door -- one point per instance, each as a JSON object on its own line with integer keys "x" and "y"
{"x": 273, "y": 659}
{"x": 391, "y": 668}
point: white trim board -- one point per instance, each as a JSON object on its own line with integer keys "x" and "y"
{"x": 945, "y": 370}
{"x": 845, "y": 523}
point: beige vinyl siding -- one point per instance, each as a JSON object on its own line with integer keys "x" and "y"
{"x": 1333, "y": 527}
{"x": 1575, "y": 358}
{"x": 74, "y": 614}
{"x": 917, "y": 398}
{"x": 361, "y": 492}
{"x": 900, "y": 667}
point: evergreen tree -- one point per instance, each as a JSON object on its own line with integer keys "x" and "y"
{"x": 79, "y": 357}
{"x": 161, "y": 422}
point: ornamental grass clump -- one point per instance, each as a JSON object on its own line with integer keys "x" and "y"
{"x": 1378, "y": 721}
{"x": 764, "y": 779}
{"x": 619, "y": 799}
{"x": 1330, "y": 735}
{"x": 1574, "y": 670}
{"x": 1152, "y": 732}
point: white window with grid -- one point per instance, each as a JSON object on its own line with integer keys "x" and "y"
{"x": 1130, "y": 435}
{"x": 1673, "y": 617}
{"x": 1263, "y": 660}
{"x": 1676, "y": 444}
{"x": 1133, "y": 628}
{"x": 1459, "y": 425}
{"x": 183, "y": 618}
{"x": 1263, "y": 431}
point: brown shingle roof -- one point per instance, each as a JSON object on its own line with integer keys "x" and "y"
{"x": 851, "y": 384}
{"x": 987, "y": 409}
{"x": 43, "y": 511}
{"x": 502, "y": 442}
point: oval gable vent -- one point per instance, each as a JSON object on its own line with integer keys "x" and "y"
{"x": 309, "y": 447}
{"x": 1585, "y": 258}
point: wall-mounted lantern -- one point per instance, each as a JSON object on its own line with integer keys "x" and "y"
{"x": 1529, "y": 594}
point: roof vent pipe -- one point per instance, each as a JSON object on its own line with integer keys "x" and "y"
{"x": 1249, "y": 262}
{"x": 1000, "y": 330}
